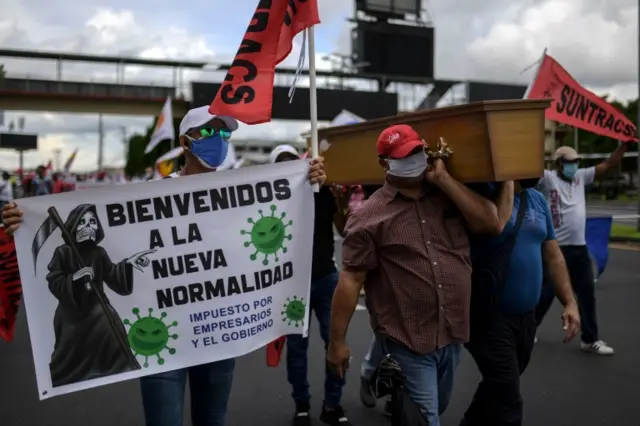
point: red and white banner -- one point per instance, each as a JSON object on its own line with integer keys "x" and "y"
{"x": 247, "y": 90}
{"x": 576, "y": 106}
{"x": 10, "y": 286}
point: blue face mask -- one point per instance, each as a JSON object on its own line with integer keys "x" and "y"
{"x": 569, "y": 170}
{"x": 211, "y": 151}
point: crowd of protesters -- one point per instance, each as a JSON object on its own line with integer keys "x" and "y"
{"x": 444, "y": 266}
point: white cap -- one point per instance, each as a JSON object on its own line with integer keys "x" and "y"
{"x": 200, "y": 116}
{"x": 566, "y": 153}
{"x": 282, "y": 149}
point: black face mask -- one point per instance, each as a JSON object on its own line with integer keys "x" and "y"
{"x": 529, "y": 183}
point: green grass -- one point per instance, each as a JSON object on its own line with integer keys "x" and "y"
{"x": 626, "y": 231}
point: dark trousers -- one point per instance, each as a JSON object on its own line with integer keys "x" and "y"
{"x": 581, "y": 274}
{"x": 322, "y": 290}
{"x": 501, "y": 345}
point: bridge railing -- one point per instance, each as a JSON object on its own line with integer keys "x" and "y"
{"x": 133, "y": 90}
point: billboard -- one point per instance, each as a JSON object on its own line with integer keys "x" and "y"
{"x": 394, "y": 50}
{"x": 18, "y": 141}
{"x": 368, "y": 105}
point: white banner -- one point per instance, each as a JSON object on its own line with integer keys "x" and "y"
{"x": 133, "y": 280}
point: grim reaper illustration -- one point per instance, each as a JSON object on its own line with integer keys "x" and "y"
{"x": 90, "y": 339}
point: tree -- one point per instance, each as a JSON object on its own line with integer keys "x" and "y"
{"x": 137, "y": 160}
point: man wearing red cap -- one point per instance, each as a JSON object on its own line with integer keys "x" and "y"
{"x": 408, "y": 246}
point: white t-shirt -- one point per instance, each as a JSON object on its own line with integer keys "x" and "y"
{"x": 567, "y": 204}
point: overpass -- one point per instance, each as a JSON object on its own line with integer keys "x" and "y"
{"x": 384, "y": 97}
{"x": 62, "y": 94}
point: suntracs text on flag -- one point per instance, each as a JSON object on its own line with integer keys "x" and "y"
{"x": 576, "y": 106}
{"x": 247, "y": 90}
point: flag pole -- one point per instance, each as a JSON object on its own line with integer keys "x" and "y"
{"x": 313, "y": 99}
{"x": 535, "y": 75}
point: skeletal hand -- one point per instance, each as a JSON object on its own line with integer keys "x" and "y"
{"x": 140, "y": 260}
{"x": 85, "y": 274}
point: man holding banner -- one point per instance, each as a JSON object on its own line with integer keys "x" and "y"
{"x": 204, "y": 138}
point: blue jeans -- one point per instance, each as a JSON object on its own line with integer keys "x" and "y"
{"x": 429, "y": 378}
{"x": 322, "y": 290}
{"x": 209, "y": 385}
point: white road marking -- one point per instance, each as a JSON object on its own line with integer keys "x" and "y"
{"x": 361, "y": 308}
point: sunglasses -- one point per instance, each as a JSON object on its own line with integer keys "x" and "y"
{"x": 207, "y": 132}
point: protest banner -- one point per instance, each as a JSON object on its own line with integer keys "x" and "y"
{"x": 135, "y": 280}
{"x": 10, "y": 286}
{"x": 576, "y": 106}
{"x": 247, "y": 90}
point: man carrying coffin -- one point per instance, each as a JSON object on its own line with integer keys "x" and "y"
{"x": 507, "y": 280}
{"x": 564, "y": 189}
{"x": 408, "y": 246}
{"x": 331, "y": 208}
{"x": 205, "y": 139}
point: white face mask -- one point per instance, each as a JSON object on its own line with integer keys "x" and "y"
{"x": 408, "y": 167}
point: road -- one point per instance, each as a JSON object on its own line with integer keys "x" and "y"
{"x": 562, "y": 387}
{"x": 626, "y": 212}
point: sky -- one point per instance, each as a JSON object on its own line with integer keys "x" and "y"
{"x": 489, "y": 40}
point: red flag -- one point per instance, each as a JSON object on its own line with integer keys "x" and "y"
{"x": 576, "y": 106}
{"x": 247, "y": 90}
{"x": 10, "y": 286}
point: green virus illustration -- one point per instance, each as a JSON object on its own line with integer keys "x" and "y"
{"x": 267, "y": 235}
{"x": 149, "y": 336}
{"x": 294, "y": 311}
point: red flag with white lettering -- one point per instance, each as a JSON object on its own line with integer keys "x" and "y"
{"x": 247, "y": 90}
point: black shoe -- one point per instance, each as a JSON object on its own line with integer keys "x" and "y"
{"x": 366, "y": 395}
{"x": 334, "y": 416}
{"x": 301, "y": 417}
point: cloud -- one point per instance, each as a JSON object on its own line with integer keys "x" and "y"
{"x": 492, "y": 40}
{"x": 595, "y": 41}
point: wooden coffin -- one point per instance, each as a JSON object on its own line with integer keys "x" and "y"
{"x": 492, "y": 141}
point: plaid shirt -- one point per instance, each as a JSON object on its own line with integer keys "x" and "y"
{"x": 416, "y": 255}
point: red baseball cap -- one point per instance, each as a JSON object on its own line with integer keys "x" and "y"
{"x": 398, "y": 141}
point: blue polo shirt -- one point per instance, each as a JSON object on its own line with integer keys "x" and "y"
{"x": 521, "y": 292}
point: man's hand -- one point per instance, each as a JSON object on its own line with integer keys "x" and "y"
{"x": 140, "y": 260}
{"x": 342, "y": 196}
{"x": 570, "y": 321}
{"x": 316, "y": 171}
{"x": 437, "y": 171}
{"x": 338, "y": 358}
{"x": 11, "y": 218}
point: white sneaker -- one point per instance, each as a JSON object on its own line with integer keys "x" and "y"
{"x": 599, "y": 348}
{"x": 535, "y": 340}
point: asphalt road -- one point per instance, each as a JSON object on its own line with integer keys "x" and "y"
{"x": 627, "y": 213}
{"x": 562, "y": 387}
